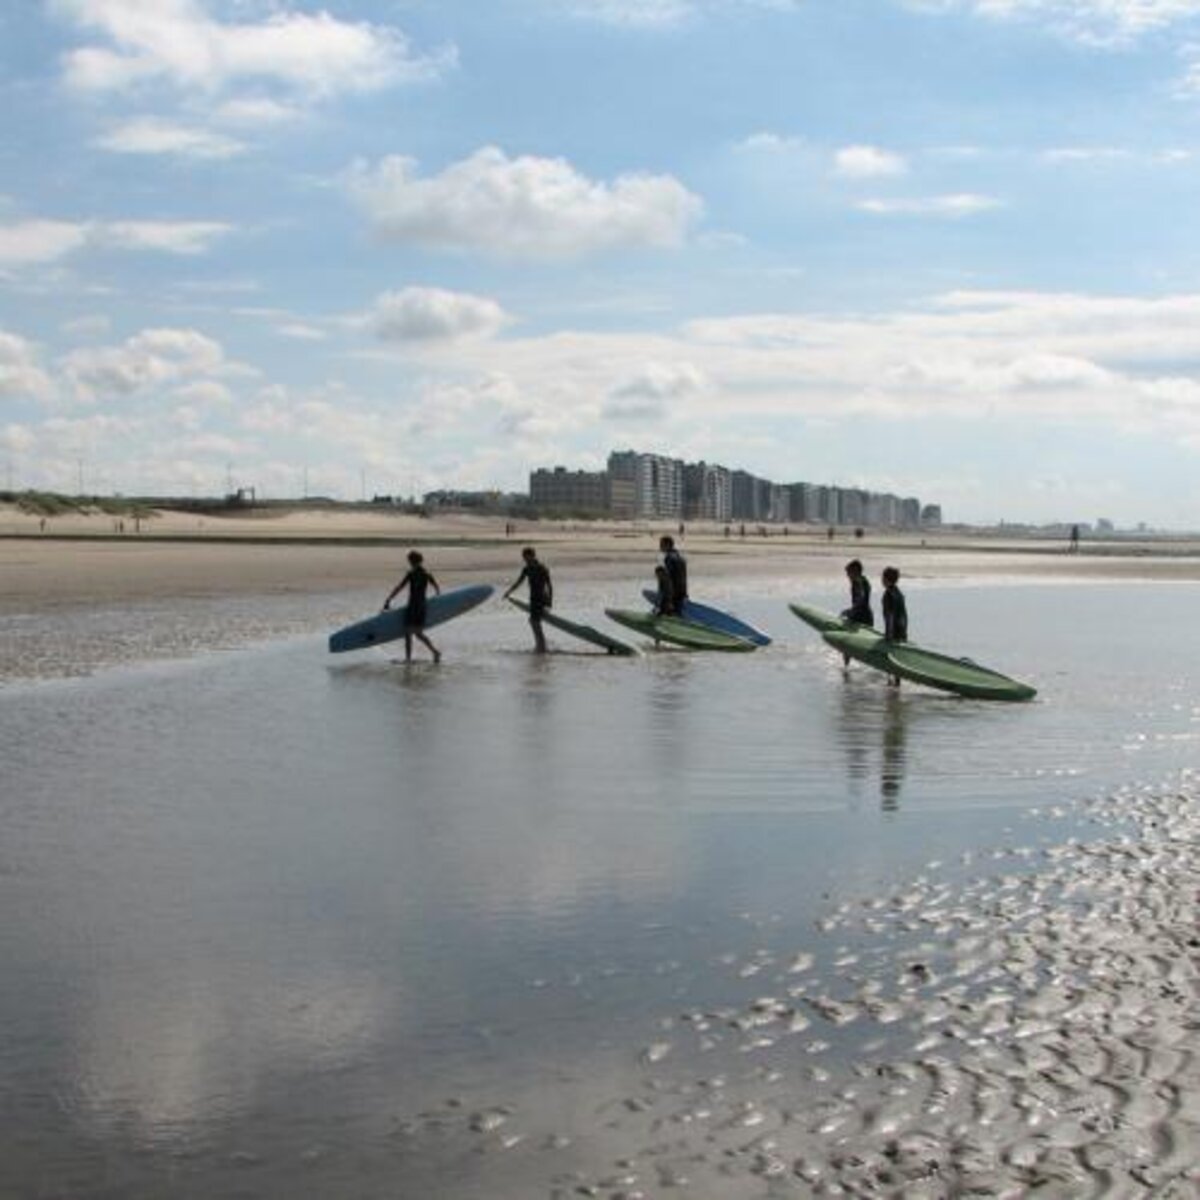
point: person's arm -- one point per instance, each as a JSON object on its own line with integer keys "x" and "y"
{"x": 516, "y": 583}
{"x": 549, "y": 591}
{"x": 395, "y": 592}
{"x": 433, "y": 583}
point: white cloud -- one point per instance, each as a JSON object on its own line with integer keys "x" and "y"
{"x": 168, "y": 237}
{"x": 33, "y": 242}
{"x": 178, "y": 42}
{"x": 1097, "y": 22}
{"x": 257, "y": 111}
{"x": 149, "y": 359}
{"x": 652, "y": 391}
{"x": 956, "y": 204}
{"x": 26, "y": 243}
{"x": 20, "y": 375}
{"x": 418, "y": 314}
{"x": 653, "y": 14}
{"x": 769, "y": 142}
{"x": 152, "y": 135}
{"x": 868, "y": 162}
{"x": 525, "y": 207}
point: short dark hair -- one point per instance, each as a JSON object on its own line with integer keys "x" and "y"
{"x": 667, "y": 541}
{"x": 854, "y": 567}
{"x": 415, "y": 556}
{"x": 529, "y": 552}
{"x": 890, "y": 575}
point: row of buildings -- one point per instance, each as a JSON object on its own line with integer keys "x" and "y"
{"x": 653, "y": 486}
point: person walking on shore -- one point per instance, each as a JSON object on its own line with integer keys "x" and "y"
{"x": 418, "y": 581}
{"x": 676, "y": 567}
{"x": 541, "y": 593}
{"x": 895, "y": 612}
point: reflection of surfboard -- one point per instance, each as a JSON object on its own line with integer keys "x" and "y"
{"x": 715, "y": 618}
{"x": 678, "y": 631}
{"x": 824, "y": 622}
{"x": 388, "y": 625}
{"x": 585, "y": 633}
{"x": 958, "y": 675}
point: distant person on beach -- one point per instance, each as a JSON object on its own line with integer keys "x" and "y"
{"x": 664, "y": 601}
{"x": 1073, "y": 548}
{"x": 895, "y": 612}
{"x": 676, "y": 566}
{"x": 860, "y": 595}
{"x": 541, "y": 593}
{"x": 418, "y": 581}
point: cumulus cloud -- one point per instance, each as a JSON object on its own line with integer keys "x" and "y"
{"x": 418, "y": 314}
{"x": 20, "y": 375}
{"x": 653, "y": 389}
{"x": 180, "y": 43}
{"x": 525, "y": 207}
{"x": 867, "y": 162}
{"x": 955, "y": 204}
{"x": 149, "y": 359}
{"x": 154, "y": 136}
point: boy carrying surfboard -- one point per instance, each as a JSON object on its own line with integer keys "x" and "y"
{"x": 418, "y": 581}
{"x": 541, "y": 593}
{"x": 895, "y": 612}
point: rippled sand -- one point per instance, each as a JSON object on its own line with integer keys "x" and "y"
{"x": 1030, "y": 1028}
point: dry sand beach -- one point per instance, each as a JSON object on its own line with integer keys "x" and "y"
{"x": 1018, "y": 1016}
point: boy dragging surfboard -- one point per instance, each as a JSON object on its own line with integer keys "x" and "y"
{"x": 541, "y": 594}
{"x": 418, "y": 581}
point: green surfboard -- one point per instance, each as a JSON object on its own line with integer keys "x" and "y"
{"x": 824, "y": 622}
{"x": 958, "y": 675}
{"x": 679, "y": 632}
{"x": 585, "y": 633}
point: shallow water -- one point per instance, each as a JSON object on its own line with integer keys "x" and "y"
{"x": 279, "y": 923}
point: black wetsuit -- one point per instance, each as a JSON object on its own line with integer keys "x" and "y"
{"x": 860, "y": 602}
{"x": 676, "y": 566}
{"x": 418, "y": 580}
{"x": 537, "y": 575}
{"x": 895, "y": 615}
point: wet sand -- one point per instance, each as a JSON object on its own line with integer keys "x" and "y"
{"x": 1049, "y": 1013}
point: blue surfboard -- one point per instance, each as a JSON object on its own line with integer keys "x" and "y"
{"x": 715, "y": 618}
{"x": 388, "y": 625}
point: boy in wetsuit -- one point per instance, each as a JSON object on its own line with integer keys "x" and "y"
{"x": 676, "y": 566}
{"x": 541, "y": 594}
{"x": 895, "y": 613}
{"x": 664, "y": 603}
{"x": 418, "y": 581}
{"x": 860, "y": 595}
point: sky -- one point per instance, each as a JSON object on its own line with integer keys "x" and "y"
{"x": 945, "y": 248}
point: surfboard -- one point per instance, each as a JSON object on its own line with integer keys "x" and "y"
{"x": 715, "y": 618}
{"x": 824, "y": 622}
{"x": 585, "y": 633}
{"x": 678, "y": 632}
{"x": 388, "y": 625}
{"x": 928, "y": 667}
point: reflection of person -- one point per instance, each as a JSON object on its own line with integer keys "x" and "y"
{"x": 418, "y": 581}
{"x": 895, "y": 612}
{"x": 676, "y": 566}
{"x": 541, "y": 593}
{"x": 860, "y": 595}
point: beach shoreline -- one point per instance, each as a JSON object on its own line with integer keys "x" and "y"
{"x": 80, "y": 560}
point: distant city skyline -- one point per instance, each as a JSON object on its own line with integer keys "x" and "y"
{"x": 935, "y": 249}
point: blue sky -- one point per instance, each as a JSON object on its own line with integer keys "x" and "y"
{"x": 941, "y": 247}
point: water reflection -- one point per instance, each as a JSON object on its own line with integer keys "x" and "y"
{"x": 873, "y": 734}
